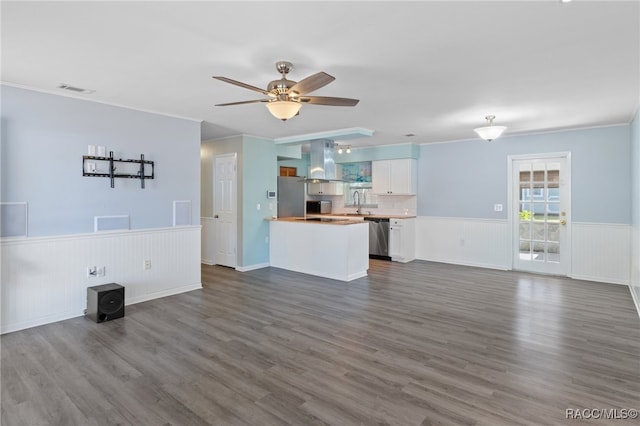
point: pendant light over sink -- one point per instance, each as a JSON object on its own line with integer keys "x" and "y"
{"x": 490, "y": 132}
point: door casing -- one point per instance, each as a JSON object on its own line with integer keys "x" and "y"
{"x": 514, "y": 219}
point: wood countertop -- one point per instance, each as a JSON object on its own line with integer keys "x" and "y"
{"x": 317, "y": 219}
{"x": 362, "y": 216}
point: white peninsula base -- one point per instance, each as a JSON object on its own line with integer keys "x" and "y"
{"x": 337, "y": 251}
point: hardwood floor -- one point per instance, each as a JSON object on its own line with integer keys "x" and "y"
{"x": 411, "y": 344}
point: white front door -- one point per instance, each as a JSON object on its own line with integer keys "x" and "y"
{"x": 225, "y": 209}
{"x": 540, "y": 213}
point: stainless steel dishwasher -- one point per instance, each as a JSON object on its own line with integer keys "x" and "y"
{"x": 378, "y": 238}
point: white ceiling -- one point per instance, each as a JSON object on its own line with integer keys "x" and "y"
{"x": 434, "y": 69}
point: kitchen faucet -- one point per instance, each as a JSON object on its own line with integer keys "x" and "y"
{"x": 358, "y": 202}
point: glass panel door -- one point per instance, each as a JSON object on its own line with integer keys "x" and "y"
{"x": 541, "y": 215}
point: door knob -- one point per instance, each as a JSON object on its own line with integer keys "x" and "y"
{"x": 215, "y": 217}
{"x": 563, "y": 222}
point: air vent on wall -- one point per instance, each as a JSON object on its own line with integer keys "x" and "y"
{"x": 111, "y": 223}
{"x": 75, "y": 89}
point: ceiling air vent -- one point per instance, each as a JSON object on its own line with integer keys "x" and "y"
{"x": 75, "y": 89}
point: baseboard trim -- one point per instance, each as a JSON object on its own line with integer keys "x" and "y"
{"x": 40, "y": 321}
{"x": 252, "y": 267}
{"x": 472, "y": 264}
{"x": 598, "y": 279}
{"x": 164, "y": 293}
{"x": 68, "y": 315}
{"x": 357, "y": 275}
{"x": 636, "y": 301}
{"x": 207, "y": 262}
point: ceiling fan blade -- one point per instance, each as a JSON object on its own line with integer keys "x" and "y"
{"x": 241, "y": 84}
{"x": 243, "y": 102}
{"x": 311, "y": 83}
{"x": 326, "y": 100}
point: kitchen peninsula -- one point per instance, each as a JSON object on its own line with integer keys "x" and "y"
{"x": 330, "y": 248}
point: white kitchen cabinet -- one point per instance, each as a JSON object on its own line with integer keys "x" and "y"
{"x": 394, "y": 177}
{"x": 402, "y": 239}
{"x": 326, "y": 188}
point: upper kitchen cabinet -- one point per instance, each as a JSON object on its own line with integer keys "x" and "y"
{"x": 326, "y": 188}
{"x": 394, "y": 177}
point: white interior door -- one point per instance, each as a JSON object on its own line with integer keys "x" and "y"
{"x": 225, "y": 209}
{"x": 541, "y": 213}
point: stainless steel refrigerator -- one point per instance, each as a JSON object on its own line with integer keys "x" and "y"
{"x": 291, "y": 197}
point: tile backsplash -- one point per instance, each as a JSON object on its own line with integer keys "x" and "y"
{"x": 386, "y": 204}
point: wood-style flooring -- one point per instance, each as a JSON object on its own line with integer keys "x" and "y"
{"x": 411, "y": 344}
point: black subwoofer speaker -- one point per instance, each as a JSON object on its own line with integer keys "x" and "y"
{"x": 105, "y": 302}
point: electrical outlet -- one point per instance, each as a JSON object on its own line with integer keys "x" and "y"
{"x": 146, "y": 265}
{"x": 258, "y": 206}
{"x": 102, "y": 271}
{"x": 497, "y": 207}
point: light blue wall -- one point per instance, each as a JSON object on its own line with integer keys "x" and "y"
{"x": 390, "y": 152}
{"x": 44, "y": 137}
{"x": 465, "y": 179}
{"x": 293, "y": 152}
{"x": 259, "y": 174}
{"x": 208, "y": 151}
{"x": 302, "y": 165}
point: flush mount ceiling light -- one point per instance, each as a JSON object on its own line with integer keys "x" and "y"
{"x": 283, "y": 110}
{"x": 490, "y": 132}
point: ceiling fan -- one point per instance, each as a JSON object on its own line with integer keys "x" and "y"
{"x": 285, "y": 97}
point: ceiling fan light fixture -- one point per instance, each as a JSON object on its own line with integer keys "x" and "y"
{"x": 490, "y": 132}
{"x": 286, "y": 96}
{"x": 283, "y": 110}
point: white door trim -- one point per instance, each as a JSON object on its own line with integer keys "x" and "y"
{"x": 510, "y": 200}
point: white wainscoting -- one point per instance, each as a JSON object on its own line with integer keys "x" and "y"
{"x": 634, "y": 284}
{"x": 463, "y": 241}
{"x": 44, "y": 279}
{"x": 601, "y": 252}
{"x": 208, "y": 240}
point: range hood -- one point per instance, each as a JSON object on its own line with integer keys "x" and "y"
{"x": 322, "y": 166}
